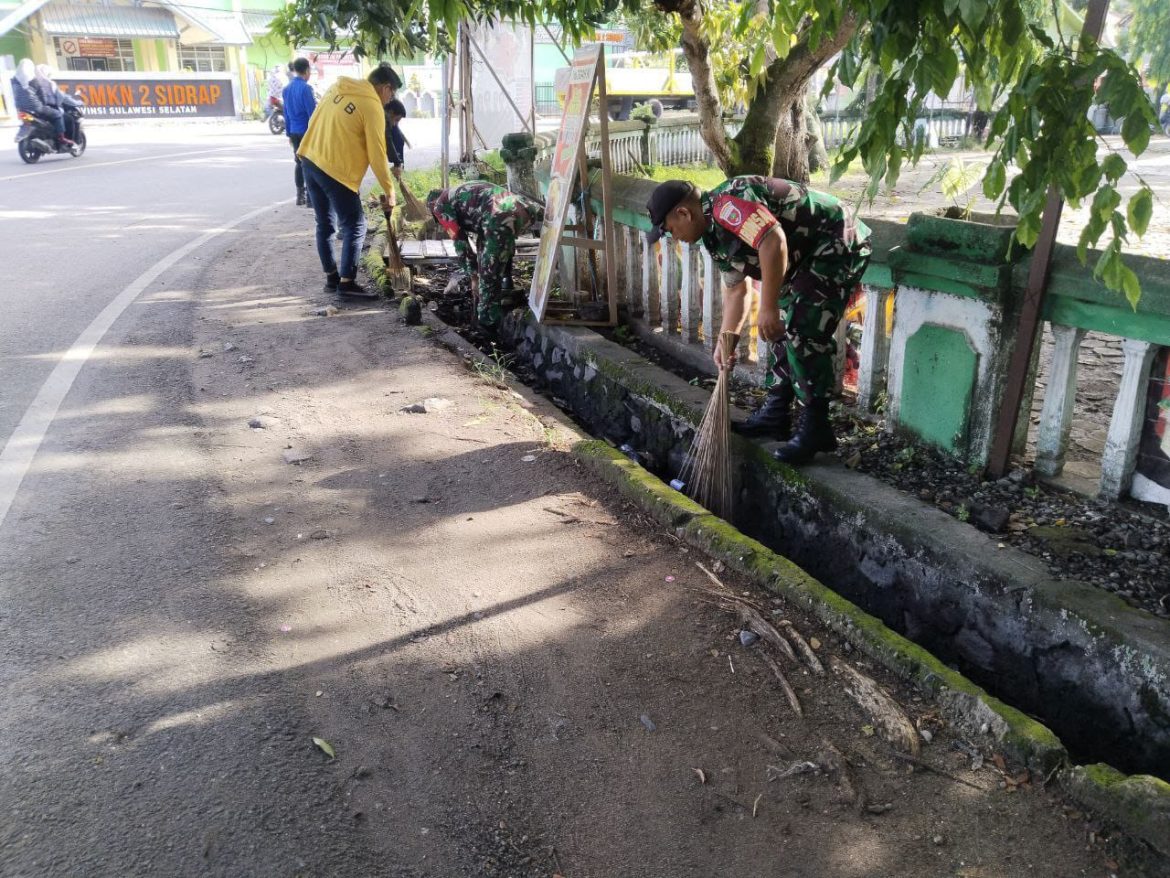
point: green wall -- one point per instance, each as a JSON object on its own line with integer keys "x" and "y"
{"x": 940, "y": 372}
{"x": 15, "y": 45}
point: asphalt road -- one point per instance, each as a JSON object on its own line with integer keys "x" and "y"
{"x": 75, "y": 232}
{"x": 110, "y": 760}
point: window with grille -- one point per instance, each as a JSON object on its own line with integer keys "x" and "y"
{"x": 203, "y": 59}
{"x": 119, "y": 54}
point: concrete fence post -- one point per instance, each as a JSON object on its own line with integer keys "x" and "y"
{"x": 1059, "y": 398}
{"x": 1125, "y": 427}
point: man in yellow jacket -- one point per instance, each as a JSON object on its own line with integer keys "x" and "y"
{"x": 346, "y": 135}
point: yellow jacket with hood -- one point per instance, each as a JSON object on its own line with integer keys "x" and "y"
{"x": 347, "y": 134}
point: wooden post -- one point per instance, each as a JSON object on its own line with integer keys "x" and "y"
{"x": 607, "y": 195}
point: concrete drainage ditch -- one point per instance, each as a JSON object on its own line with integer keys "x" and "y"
{"x": 1090, "y": 667}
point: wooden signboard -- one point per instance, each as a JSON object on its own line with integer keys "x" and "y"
{"x": 569, "y": 160}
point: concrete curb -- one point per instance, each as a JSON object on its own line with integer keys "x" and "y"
{"x": 1139, "y": 804}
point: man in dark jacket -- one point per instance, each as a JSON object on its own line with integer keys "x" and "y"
{"x": 299, "y": 103}
{"x": 395, "y": 139}
{"x": 28, "y": 99}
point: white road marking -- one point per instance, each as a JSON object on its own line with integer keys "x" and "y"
{"x": 25, "y": 441}
{"x": 79, "y": 164}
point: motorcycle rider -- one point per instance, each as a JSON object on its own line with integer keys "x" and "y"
{"x": 28, "y": 100}
{"x": 52, "y": 95}
{"x": 276, "y": 83}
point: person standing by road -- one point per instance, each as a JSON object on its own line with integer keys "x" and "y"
{"x": 347, "y": 135}
{"x": 299, "y": 103}
{"x": 396, "y": 141}
{"x": 808, "y": 253}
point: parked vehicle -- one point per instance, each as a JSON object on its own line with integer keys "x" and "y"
{"x": 36, "y": 137}
{"x": 276, "y": 116}
{"x": 636, "y": 77}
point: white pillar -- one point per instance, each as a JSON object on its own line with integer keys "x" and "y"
{"x": 690, "y": 306}
{"x": 651, "y": 310}
{"x": 712, "y": 302}
{"x": 1059, "y": 397}
{"x": 668, "y": 289}
{"x": 875, "y": 348}
{"x": 1125, "y": 427}
{"x": 630, "y": 259}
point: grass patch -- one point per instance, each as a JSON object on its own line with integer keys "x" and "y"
{"x": 495, "y": 370}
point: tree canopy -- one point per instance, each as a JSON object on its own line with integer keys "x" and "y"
{"x": 1036, "y": 80}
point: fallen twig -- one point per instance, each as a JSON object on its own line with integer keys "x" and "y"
{"x": 800, "y": 767}
{"x": 806, "y": 651}
{"x": 765, "y": 629}
{"x": 789, "y": 692}
{"x": 941, "y": 772}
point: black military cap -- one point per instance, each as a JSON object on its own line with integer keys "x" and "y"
{"x": 665, "y": 198}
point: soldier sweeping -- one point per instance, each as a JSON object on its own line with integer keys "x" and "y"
{"x": 808, "y": 253}
{"x": 495, "y": 217}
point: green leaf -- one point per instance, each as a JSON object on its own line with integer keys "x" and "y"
{"x": 1135, "y": 131}
{"x": 973, "y": 12}
{"x": 994, "y": 181}
{"x": 325, "y": 747}
{"x": 1130, "y": 285}
{"x": 1140, "y": 210}
{"x": 1113, "y": 166}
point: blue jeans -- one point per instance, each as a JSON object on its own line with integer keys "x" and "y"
{"x": 338, "y": 209}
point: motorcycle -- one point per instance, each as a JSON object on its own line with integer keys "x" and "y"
{"x": 276, "y": 119}
{"x": 37, "y": 138}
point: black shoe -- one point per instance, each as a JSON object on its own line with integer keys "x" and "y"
{"x": 332, "y": 279}
{"x": 773, "y": 419}
{"x": 301, "y": 200}
{"x": 355, "y": 290}
{"x": 814, "y": 434}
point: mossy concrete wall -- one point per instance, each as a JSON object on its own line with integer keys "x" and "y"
{"x": 1093, "y": 668}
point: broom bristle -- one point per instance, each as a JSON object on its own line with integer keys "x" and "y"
{"x": 707, "y": 471}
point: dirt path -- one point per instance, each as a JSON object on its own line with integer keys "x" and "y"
{"x": 518, "y": 676}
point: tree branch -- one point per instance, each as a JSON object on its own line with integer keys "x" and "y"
{"x": 784, "y": 82}
{"x": 697, "y": 49}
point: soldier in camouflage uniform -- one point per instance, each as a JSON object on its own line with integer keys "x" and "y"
{"x": 809, "y": 254}
{"x": 495, "y": 217}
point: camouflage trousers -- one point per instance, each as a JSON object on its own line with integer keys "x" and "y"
{"x": 497, "y": 246}
{"x": 813, "y": 302}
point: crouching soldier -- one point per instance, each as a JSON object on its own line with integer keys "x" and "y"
{"x": 808, "y": 254}
{"x": 495, "y": 217}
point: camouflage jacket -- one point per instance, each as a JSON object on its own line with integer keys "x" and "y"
{"x": 741, "y": 210}
{"x": 472, "y": 208}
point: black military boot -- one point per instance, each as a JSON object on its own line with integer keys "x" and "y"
{"x": 814, "y": 434}
{"x": 773, "y": 419}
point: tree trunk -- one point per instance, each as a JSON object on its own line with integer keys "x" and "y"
{"x": 818, "y": 155}
{"x": 753, "y": 149}
{"x": 779, "y": 104}
{"x": 697, "y": 49}
{"x": 791, "y": 159}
